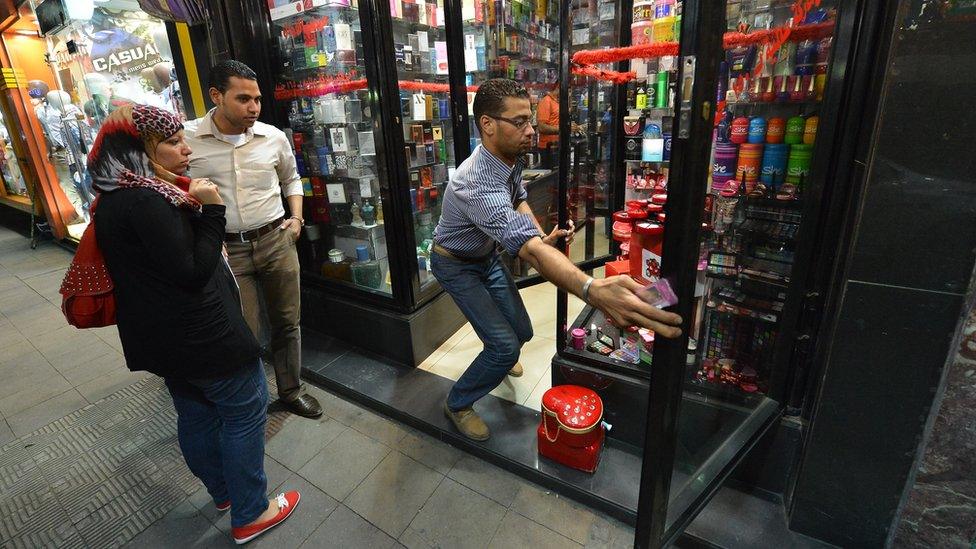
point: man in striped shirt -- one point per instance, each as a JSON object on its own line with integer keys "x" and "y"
{"x": 484, "y": 206}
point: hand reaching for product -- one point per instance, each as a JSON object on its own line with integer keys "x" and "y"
{"x": 617, "y": 297}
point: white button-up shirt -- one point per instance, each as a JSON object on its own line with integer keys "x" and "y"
{"x": 251, "y": 176}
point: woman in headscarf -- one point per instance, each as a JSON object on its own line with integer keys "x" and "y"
{"x": 179, "y": 311}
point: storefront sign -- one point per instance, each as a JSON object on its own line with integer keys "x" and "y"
{"x": 128, "y": 61}
{"x": 117, "y": 51}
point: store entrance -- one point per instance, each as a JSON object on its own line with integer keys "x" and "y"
{"x": 699, "y": 158}
{"x": 736, "y": 90}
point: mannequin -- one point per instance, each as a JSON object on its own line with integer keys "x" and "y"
{"x": 164, "y": 87}
{"x": 99, "y": 106}
{"x": 69, "y": 139}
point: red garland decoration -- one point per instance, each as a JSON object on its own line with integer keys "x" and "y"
{"x": 609, "y": 76}
{"x": 804, "y": 32}
{"x": 613, "y": 55}
{"x": 584, "y": 60}
{"x": 315, "y": 88}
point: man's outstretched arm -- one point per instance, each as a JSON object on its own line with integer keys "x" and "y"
{"x": 614, "y": 296}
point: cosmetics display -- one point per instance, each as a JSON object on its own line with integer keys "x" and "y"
{"x": 763, "y": 145}
{"x": 762, "y": 151}
{"x": 420, "y": 47}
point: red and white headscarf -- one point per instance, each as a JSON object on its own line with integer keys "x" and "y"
{"x": 123, "y": 155}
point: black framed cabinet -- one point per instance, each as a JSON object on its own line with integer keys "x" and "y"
{"x": 376, "y": 97}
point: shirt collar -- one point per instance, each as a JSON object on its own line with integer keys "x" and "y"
{"x": 207, "y": 127}
{"x": 500, "y": 168}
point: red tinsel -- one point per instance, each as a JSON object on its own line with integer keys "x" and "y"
{"x": 317, "y": 87}
{"x": 609, "y": 76}
{"x": 613, "y": 55}
{"x": 584, "y": 60}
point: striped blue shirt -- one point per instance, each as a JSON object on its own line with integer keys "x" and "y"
{"x": 479, "y": 208}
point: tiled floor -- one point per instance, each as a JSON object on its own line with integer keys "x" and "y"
{"x": 49, "y": 369}
{"x": 107, "y": 471}
{"x": 455, "y": 355}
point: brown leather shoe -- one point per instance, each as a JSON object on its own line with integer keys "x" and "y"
{"x": 516, "y": 370}
{"x": 469, "y": 423}
{"x": 305, "y": 406}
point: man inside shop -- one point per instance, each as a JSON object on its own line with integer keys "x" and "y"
{"x": 547, "y": 118}
{"x": 253, "y": 165}
{"x": 485, "y": 207}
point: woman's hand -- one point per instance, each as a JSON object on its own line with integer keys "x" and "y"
{"x": 205, "y": 191}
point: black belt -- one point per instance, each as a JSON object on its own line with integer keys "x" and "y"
{"x": 254, "y": 234}
{"x": 441, "y": 250}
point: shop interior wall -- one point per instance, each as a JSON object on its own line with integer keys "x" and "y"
{"x": 903, "y": 291}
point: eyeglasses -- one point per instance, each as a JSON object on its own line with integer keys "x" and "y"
{"x": 519, "y": 123}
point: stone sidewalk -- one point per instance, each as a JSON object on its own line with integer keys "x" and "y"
{"x": 89, "y": 458}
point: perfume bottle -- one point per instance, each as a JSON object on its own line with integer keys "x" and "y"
{"x": 357, "y": 219}
{"x": 366, "y": 271}
{"x": 338, "y": 267}
{"x": 379, "y": 209}
{"x": 368, "y": 211}
{"x": 425, "y": 227}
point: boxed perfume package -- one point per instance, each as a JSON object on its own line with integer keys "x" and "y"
{"x": 339, "y": 139}
{"x": 366, "y": 144}
{"x": 354, "y": 111}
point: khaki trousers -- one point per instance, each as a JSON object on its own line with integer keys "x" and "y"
{"x": 268, "y": 267}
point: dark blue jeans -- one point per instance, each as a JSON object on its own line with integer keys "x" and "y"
{"x": 486, "y": 294}
{"x": 221, "y": 433}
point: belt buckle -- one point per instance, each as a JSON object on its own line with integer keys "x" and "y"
{"x": 241, "y": 236}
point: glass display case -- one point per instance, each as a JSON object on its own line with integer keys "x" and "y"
{"x": 118, "y": 56}
{"x": 323, "y": 90}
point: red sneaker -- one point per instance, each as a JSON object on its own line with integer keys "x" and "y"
{"x": 222, "y": 506}
{"x": 286, "y": 504}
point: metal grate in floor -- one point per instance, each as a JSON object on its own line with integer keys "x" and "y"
{"x": 99, "y": 476}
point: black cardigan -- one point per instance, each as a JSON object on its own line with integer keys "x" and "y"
{"x": 178, "y": 305}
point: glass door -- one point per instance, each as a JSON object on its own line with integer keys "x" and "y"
{"x": 519, "y": 39}
{"x": 734, "y": 90}
{"x": 731, "y": 240}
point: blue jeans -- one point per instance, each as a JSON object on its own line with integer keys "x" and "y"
{"x": 221, "y": 431}
{"x": 486, "y": 294}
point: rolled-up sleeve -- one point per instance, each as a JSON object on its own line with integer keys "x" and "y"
{"x": 492, "y": 212}
{"x": 291, "y": 183}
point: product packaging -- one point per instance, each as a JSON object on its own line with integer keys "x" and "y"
{"x": 659, "y": 294}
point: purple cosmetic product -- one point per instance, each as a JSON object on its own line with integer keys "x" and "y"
{"x": 723, "y": 81}
{"x": 659, "y": 294}
{"x": 579, "y": 338}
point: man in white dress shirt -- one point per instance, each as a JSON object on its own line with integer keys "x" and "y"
{"x": 253, "y": 166}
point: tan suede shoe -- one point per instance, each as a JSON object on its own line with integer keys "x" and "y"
{"x": 469, "y": 423}
{"x": 516, "y": 370}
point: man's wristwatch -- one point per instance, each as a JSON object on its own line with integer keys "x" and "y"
{"x": 301, "y": 221}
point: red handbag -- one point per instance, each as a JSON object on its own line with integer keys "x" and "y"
{"x": 571, "y": 431}
{"x": 88, "y": 300}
